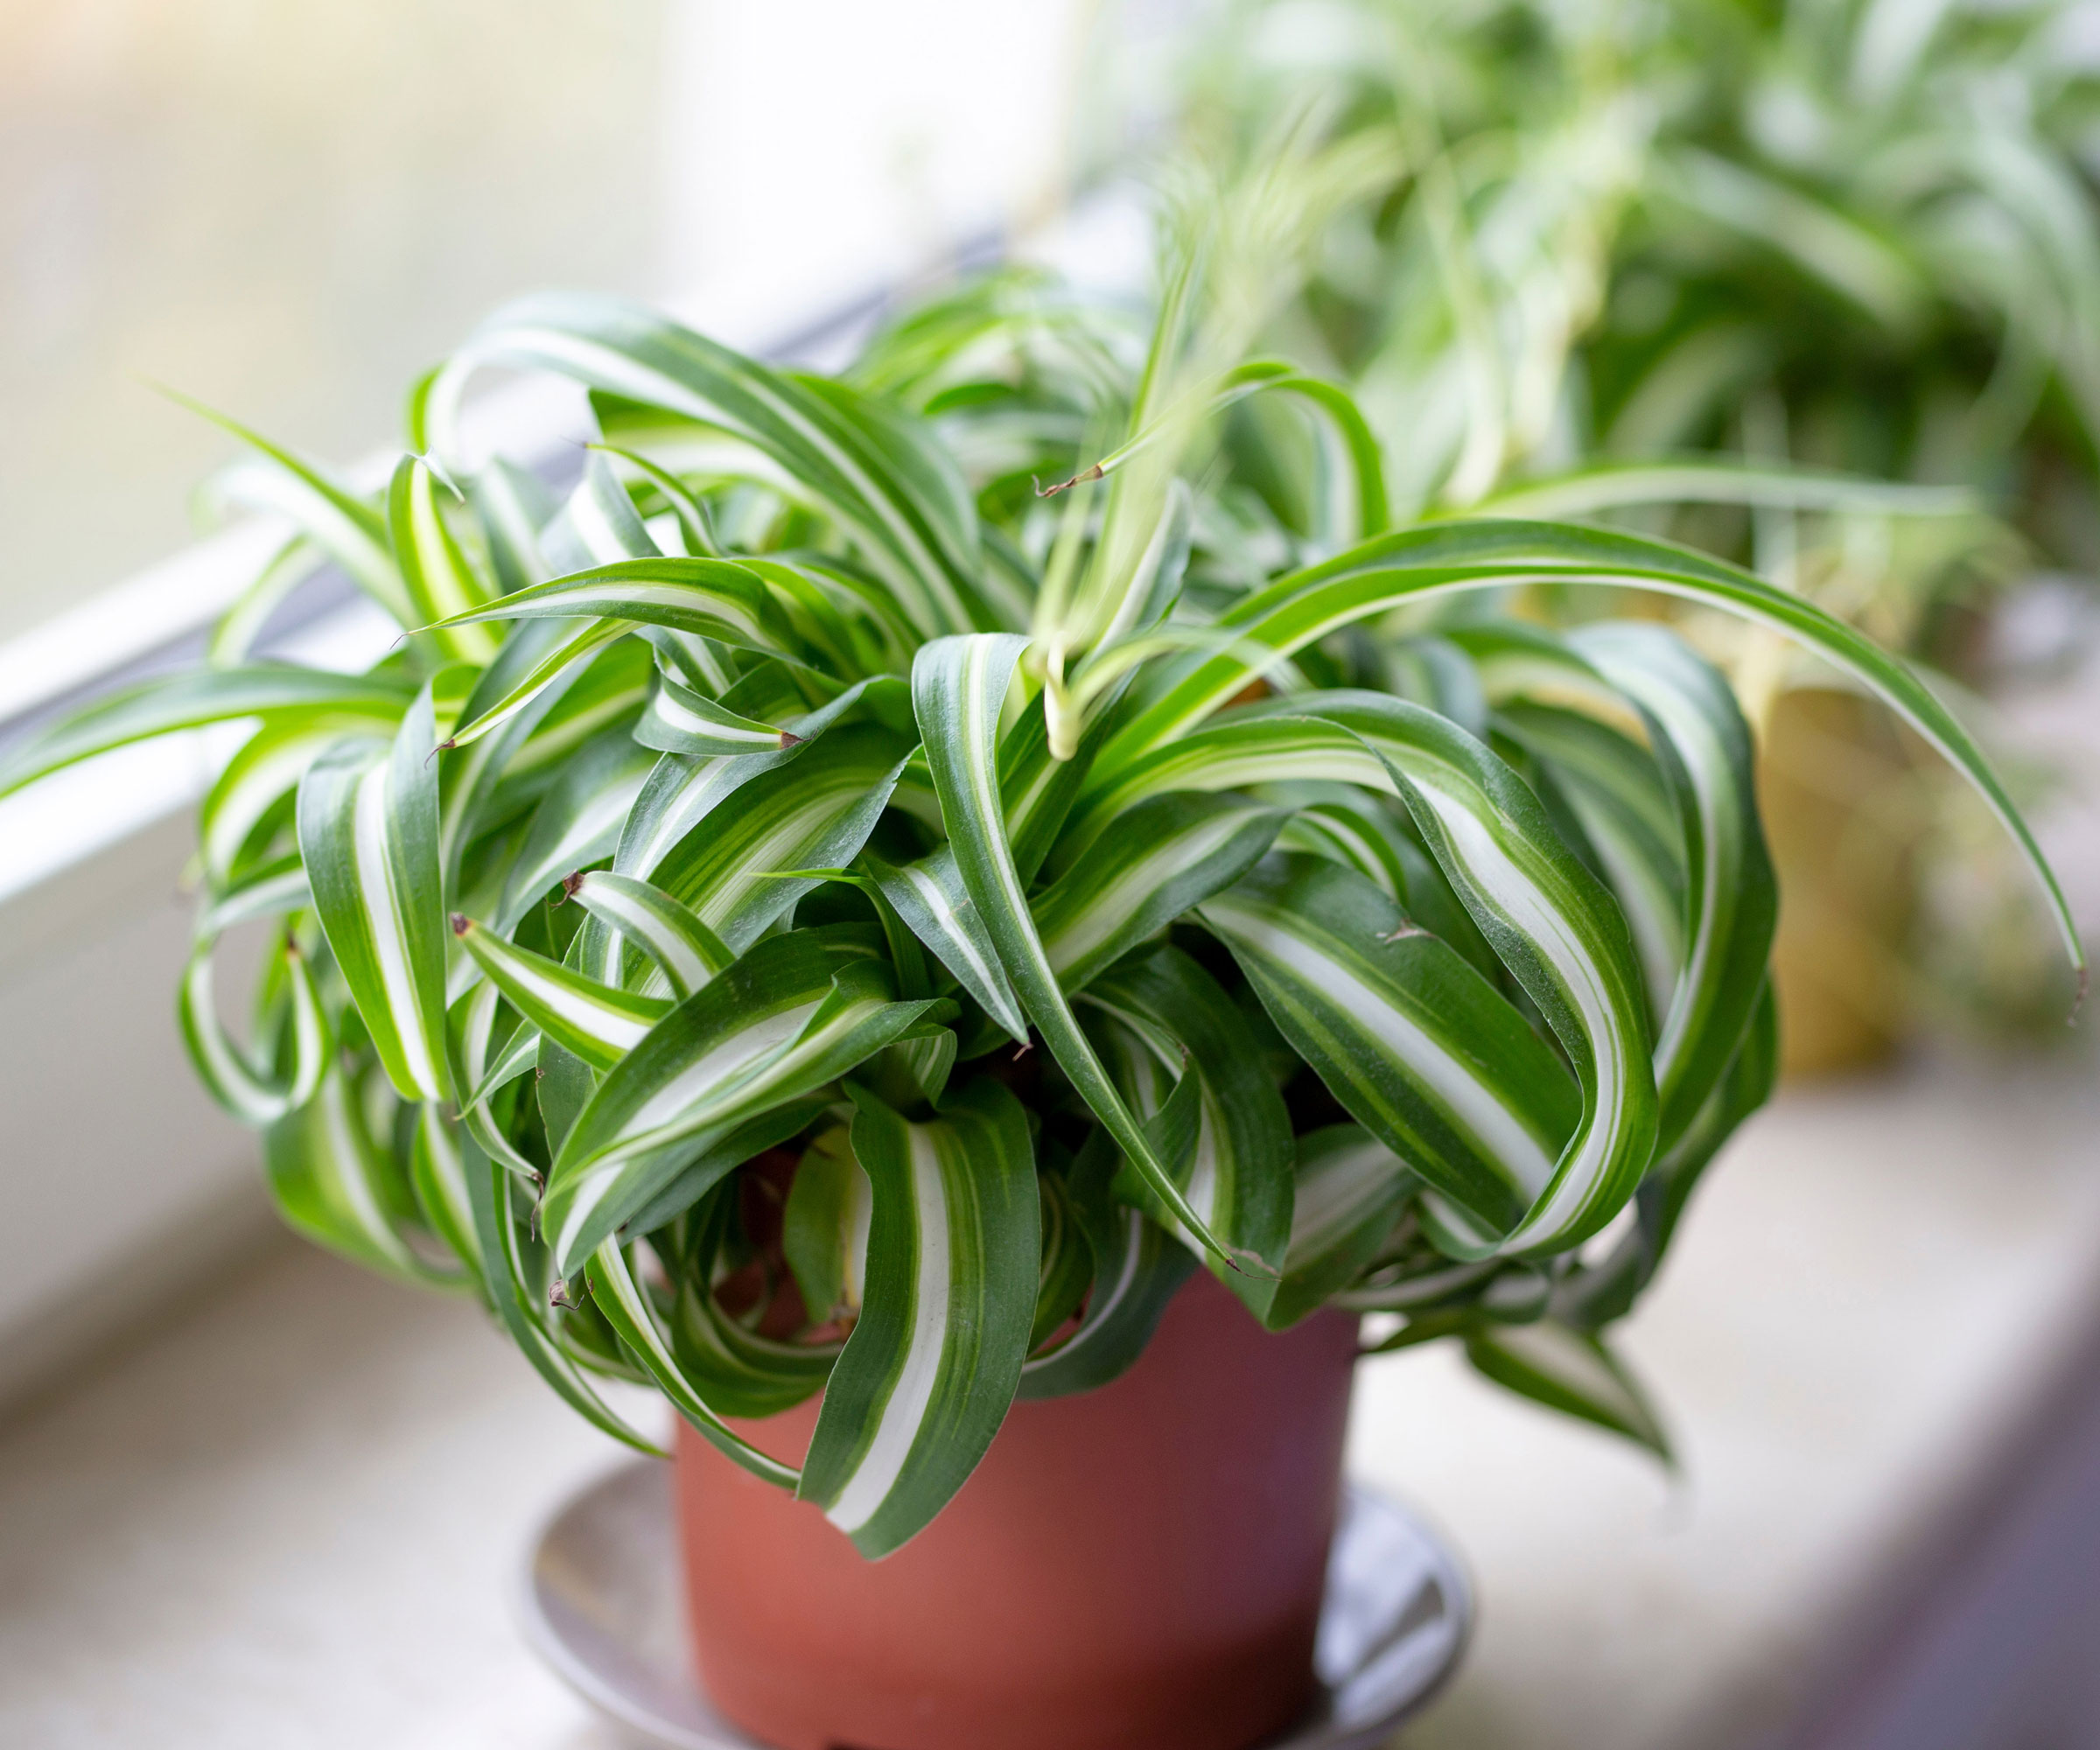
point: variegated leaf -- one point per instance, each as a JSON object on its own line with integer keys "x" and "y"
{"x": 626, "y": 1304}
{"x": 434, "y": 571}
{"x": 193, "y": 699}
{"x": 255, "y": 1095}
{"x": 1238, "y": 1172}
{"x": 1137, "y": 1270}
{"x": 686, "y": 952}
{"x": 1165, "y": 856}
{"x": 601, "y": 1022}
{"x": 368, "y": 829}
{"x": 792, "y": 1015}
{"x": 1569, "y": 1371}
{"x": 929, "y": 896}
{"x": 517, "y": 1279}
{"x": 958, "y": 689}
{"x": 933, "y": 1363}
{"x": 1421, "y": 1049}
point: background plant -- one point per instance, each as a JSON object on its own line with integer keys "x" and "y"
{"x": 1680, "y": 265}
{"x": 811, "y": 910}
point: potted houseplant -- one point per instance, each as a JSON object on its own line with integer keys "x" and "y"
{"x": 842, "y": 923}
{"x": 1685, "y": 268}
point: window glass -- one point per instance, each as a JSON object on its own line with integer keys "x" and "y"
{"x": 287, "y": 208}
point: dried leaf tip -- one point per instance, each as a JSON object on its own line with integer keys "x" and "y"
{"x": 789, "y": 738}
{"x": 461, "y": 923}
{"x": 558, "y": 1295}
{"x": 1248, "y": 1262}
{"x": 1078, "y": 480}
{"x": 571, "y": 882}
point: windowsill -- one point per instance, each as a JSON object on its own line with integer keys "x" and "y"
{"x": 294, "y": 1517}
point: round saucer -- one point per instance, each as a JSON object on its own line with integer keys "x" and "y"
{"x": 599, "y": 1601}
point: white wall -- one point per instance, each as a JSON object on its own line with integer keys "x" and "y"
{"x": 815, "y": 149}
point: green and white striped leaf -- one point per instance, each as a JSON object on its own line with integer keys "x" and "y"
{"x": 738, "y": 1369}
{"x": 337, "y": 1185}
{"x": 1624, "y": 824}
{"x": 558, "y": 661}
{"x": 234, "y": 636}
{"x": 1165, "y": 856}
{"x": 685, "y": 951}
{"x": 1569, "y": 1371}
{"x": 825, "y": 1230}
{"x": 1237, "y": 1175}
{"x": 703, "y": 1175}
{"x": 332, "y": 516}
{"x": 814, "y": 813}
{"x": 625, "y": 1306}
{"x": 696, "y": 526}
{"x": 712, "y": 599}
{"x": 491, "y": 1048}
{"x": 1703, "y": 904}
{"x": 368, "y": 829}
{"x": 1419, "y": 564}
{"x": 438, "y": 1175}
{"x": 434, "y": 571}
{"x": 682, "y": 721}
{"x": 1731, "y": 896}
{"x": 793, "y": 1013}
{"x": 269, "y": 889}
{"x": 1552, "y": 925}
{"x": 1594, "y": 1293}
{"x": 474, "y": 775}
{"x": 929, "y": 897}
{"x": 954, "y": 1246}
{"x": 599, "y": 1023}
{"x": 266, "y": 769}
{"x": 680, "y": 794}
{"x": 896, "y": 495}
{"x": 193, "y": 699}
{"x": 1350, "y": 1191}
{"x": 1422, "y": 1051}
{"x": 517, "y": 1279}
{"x": 511, "y": 508}
{"x": 255, "y": 1095}
{"x": 958, "y": 689}
{"x": 1137, "y": 1269}
{"x": 578, "y": 821}
{"x": 1067, "y": 1271}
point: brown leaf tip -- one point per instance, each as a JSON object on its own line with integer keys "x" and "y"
{"x": 461, "y": 923}
{"x": 1079, "y": 479}
{"x": 789, "y": 738}
{"x": 571, "y": 882}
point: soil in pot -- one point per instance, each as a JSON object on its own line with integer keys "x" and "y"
{"x": 1135, "y": 1568}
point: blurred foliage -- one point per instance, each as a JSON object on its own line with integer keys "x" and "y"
{"x": 1855, "y": 235}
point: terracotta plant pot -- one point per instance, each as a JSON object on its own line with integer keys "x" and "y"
{"x": 1135, "y": 1568}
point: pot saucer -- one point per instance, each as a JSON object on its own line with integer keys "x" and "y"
{"x": 598, "y": 1600}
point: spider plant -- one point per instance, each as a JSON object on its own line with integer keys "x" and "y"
{"x": 1075, "y": 887}
{"x": 1609, "y": 229}
{"x": 1812, "y": 286}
